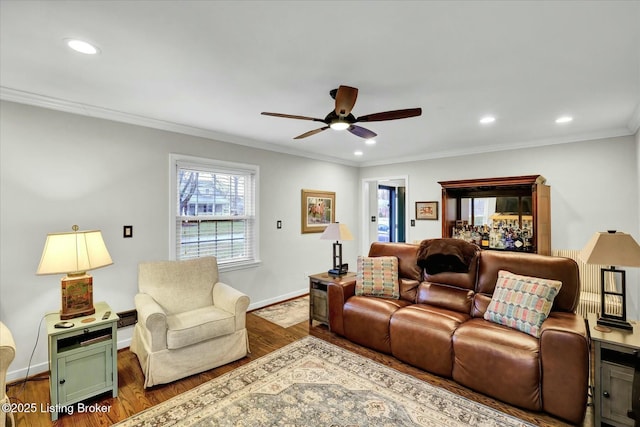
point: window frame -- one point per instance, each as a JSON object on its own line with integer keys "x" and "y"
{"x": 185, "y": 161}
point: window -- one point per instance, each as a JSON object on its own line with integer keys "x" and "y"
{"x": 214, "y": 206}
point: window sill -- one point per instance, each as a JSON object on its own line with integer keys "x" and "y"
{"x": 239, "y": 265}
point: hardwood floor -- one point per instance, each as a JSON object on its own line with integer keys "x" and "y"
{"x": 264, "y": 337}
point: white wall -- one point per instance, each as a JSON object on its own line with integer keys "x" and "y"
{"x": 594, "y": 187}
{"x": 58, "y": 169}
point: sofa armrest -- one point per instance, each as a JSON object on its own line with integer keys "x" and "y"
{"x": 337, "y": 295}
{"x": 564, "y": 353}
{"x": 153, "y": 319}
{"x": 233, "y": 301}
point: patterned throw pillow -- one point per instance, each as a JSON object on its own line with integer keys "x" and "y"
{"x": 522, "y": 302}
{"x": 378, "y": 277}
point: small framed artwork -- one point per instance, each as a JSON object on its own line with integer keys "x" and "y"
{"x": 427, "y": 210}
{"x": 318, "y": 210}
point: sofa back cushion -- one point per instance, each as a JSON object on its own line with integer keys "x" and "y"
{"x": 409, "y": 274}
{"x": 564, "y": 270}
{"x": 445, "y": 296}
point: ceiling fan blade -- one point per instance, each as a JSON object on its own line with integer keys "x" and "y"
{"x": 311, "y": 132}
{"x": 391, "y": 115}
{"x": 291, "y": 116}
{"x": 345, "y": 100}
{"x": 361, "y": 132}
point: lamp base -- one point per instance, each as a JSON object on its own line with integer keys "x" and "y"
{"x": 615, "y": 323}
{"x": 77, "y": 296}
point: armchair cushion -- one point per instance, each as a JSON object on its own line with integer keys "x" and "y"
{"x": 198, "y": 325}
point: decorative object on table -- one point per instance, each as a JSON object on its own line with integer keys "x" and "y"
{"x": 318, "y": 210}
{"x": 614, "y": 249}
{"x": 427, "y": 210}
{"x": 337, "y": 232}
{"x": 311, "y": 382}
{"x": 74, "y": 254}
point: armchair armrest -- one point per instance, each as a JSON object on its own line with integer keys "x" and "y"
{"x": 564, "y": 353}
{"x": 153, "y": 319}
{"x": 7, "y": 354}
{"x": 338, "y": 294}
{"x": 233, "y": 301}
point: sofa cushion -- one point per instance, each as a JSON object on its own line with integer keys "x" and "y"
{"x": 366, "y": 321}
{"x": 378, "y": 277}
{"x": 202, "y": 324}
{"x": 498, "y": 361}
{"x": 421, "y": 336}
{"x": 522, "y": 302}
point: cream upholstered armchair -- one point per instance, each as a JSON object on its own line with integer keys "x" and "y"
{"x": 7, "y": 354}
{"x": 188, "y": 322}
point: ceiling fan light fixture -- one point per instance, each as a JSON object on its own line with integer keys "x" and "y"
{"x": 339, "y": 125}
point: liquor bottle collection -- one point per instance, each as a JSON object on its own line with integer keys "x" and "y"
{"x": 504, "y": 233}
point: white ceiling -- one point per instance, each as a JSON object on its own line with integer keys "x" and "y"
{"x": 210, "y": 67}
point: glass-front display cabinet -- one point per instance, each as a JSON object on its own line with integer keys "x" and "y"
{"x": 506, "y": 213}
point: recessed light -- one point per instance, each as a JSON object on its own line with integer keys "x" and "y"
{"x": 487, "y": 120}
{"x": 82, "y": 46}
{"x": 370, "y": 141}
{"x": 564, "y": 119}
{"x": 357, "y": 153}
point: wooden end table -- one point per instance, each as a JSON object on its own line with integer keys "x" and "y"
{"x": 617, "y": 354}
{"x": 318, "y": 301}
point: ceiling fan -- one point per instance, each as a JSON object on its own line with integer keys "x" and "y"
{"x": 341, "y": 118}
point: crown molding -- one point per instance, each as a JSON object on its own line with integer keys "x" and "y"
{"x": 609, "y": 133}
{"x": 29, "y": 98}
{"x": 22, "y": 97}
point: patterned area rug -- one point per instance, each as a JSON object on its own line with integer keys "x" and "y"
{"x": 288, "y": 313}
{"x": 314, "y": 383}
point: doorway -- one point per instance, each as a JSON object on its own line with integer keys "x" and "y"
{"x": 391, "y": 207}
{"x": 385, "y": 210}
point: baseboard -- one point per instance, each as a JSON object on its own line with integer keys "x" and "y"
{"x": 19, "y": 374}
{"x": 279, "y": 298}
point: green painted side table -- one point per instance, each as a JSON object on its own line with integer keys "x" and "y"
{"x": 83, "y": 359}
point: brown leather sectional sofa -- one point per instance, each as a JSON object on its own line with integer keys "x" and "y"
{"x": 438, "y": 325}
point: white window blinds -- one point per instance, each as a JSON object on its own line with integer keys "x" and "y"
{"x": 215, "y": 211}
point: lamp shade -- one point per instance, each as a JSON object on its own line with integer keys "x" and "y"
{"x": 612, "y": 248}
{"x": 336, "y": 231}
{"x": 74, "y": 252}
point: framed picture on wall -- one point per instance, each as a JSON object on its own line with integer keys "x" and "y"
{"x": 427, "y": 210}
{"x": 318, "y": 210}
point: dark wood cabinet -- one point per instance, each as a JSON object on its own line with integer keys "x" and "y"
{"x": 521, "y": 203}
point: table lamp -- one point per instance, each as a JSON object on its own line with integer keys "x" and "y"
{"x": 614, "y": 249}
{"x": 74, "y": 254}
{"x": 336, "y": 231}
